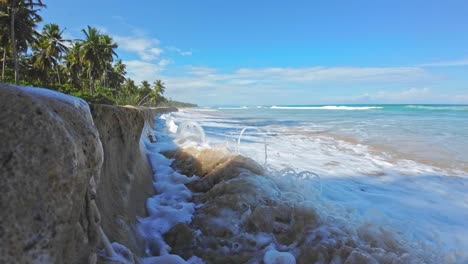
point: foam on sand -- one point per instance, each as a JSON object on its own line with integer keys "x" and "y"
{"x": 171, "y": 205}
{"x": 377, "y": 201}
{"x": 243, "y": 213}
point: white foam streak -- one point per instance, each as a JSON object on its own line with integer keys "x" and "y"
{"x": 437, "y": 107}
{"x": 171, "y": 205}
{"x": 327, "y": 107}
{"x": 233, "y": 108}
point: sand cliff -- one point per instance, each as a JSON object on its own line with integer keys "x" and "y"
{"x": 67, "y": 169}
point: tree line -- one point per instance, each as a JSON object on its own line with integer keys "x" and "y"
{"x": 87, "y": 67}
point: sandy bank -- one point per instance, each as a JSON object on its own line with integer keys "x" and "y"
{"x": 66, "y": 171}
{"x": 126, "y": 176}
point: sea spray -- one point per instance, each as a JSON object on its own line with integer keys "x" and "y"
{"x": 190, "y": 132}
{"x": 264, "y": 141}
{"x": 243, "y": 216}
{"x": 367, "y": 184}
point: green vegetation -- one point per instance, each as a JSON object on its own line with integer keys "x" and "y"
{"x": 88, "y": 68}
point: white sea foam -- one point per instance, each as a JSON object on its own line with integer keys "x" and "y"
{"x": 233, "y": 108}
{"x": 273, "y": 256}
{"x": 372, "y": 192}
{"x": 364, "y": 188}
{"x": 171, "y": 205}
{"x": 327, "y": 107}
{"x": 439, "y": 107}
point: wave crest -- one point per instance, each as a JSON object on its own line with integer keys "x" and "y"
{"x": 326, "y": 107}
{"x": 427, "y": 107}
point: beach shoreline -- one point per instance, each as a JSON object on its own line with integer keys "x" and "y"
{"x": 212, "y": 197}
{"x": 362, "y": 188}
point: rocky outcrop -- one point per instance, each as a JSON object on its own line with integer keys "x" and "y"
{"x": 65, "y": 172}
{"x": 126, "y": 176}
{"x": 50, "y": 156}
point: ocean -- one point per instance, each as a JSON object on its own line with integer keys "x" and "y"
{"x": 401, "y": 167}
{"x": 430, "y": 134}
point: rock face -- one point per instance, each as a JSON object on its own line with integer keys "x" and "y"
{"x": 49, "y": 154}
{"x": 65, "y": 172}
{"x": 126, "y": 176}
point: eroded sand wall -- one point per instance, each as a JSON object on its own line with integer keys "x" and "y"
{"x": 126, "y": 176}
{"x": 66, "y": 170}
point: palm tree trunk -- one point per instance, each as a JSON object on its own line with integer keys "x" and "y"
{"x": 3, "y": 64}
{"x": 13, "y": 45}
{"x": 58, "y": 74}
{"x": 91, "y": 83}
{"x": 105, "y": 76}
{"x": 142, "y": 100}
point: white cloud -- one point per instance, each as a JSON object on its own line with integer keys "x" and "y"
{"x": 147, "y": 48}
{"x": 210, "y": 77}
{"x": 411, "y": 95}
{"x": 186, "y": 53}
{"x": 101, "y": 29}
{"x": 164, "y": 62}
{"x": 181, "y": 52}
{"x": 271, "y": 85}
{"x": 461, "y": 99}
{"x": 201, "y": 71}
{"x": 148, "y": 65}
{"x": 336, "y": 74}
{"x": 68, "y": 36}
{"x": 450, "y": 63}
{"x": 142, "y": 70}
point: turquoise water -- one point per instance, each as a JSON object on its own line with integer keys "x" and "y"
{"x": 402, "y": 168}
{"x": 433, "y": 134}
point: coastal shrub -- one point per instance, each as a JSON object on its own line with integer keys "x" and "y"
{"x": 173, "y": 103}
{"x": 96, "y": 98}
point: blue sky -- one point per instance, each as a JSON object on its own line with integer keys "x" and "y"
{"x": 286, "y": 52}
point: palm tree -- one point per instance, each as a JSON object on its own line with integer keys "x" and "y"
{"x": 129, "y": 86}
{"x": 22, "y": 16}
{"x": 146, "y": 93}
{"x": 107, "y": 52}
{"x": 97, "y": 53}
{"x": 159, "y": 87}
{"x": 117, "y": 74}
{"x": 49, "y": 50}
{"x": 145, "y": 86}
{"x": 4, "y": 42}
{"x": 74, "y": 65}
{"x": 90, "y": 54}
{"x": 54, "y": 44}
{"x": 128, "y": 93}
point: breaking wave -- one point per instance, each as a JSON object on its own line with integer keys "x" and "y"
{"x": 238, "y": 211}
{"x": 450, "y": 108}
{"x": 233, "y": 108}
{"x": 327, "y": 107}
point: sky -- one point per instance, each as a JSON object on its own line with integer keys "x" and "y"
{"x": 263, "y": 52}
